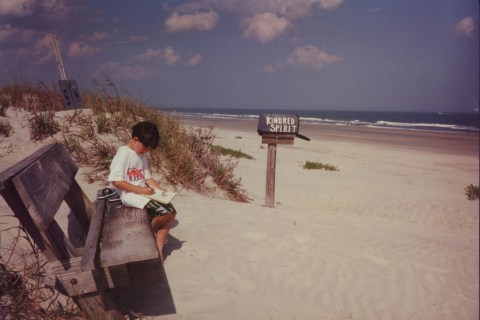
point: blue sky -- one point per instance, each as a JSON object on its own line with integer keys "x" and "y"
{"x": 410, "y": 55}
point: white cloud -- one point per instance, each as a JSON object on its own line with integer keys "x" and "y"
{"x": 193, "y": 61}
{"x": 42, "y": 10}
{"x": 44, "y": 49}
{"x": 465, "y": 27}
{"x": 138, "y": 38}
{"x": 330, "y": 4}
{"x": 80, "y": 49}
{"x": 291, "y": 9}
{"x": 109, "y": 66}
{"x": 264, "y": 27}
{"x": 313, "y": 57}
{"x": 171, "y": 57}
{"x": 96, "y": 36}
{"x": 205, "y": 21}
{"x": 16, "y": 7}
{"x": 132, "y": 73}
{"x": 116, "y": 71}
{"x": 269, "y": 69}
{"x": 7, "y": 32}
{"x": 167, "y": 56}
{"x": 16, "y": 35}
{"x": 151, "y": 54}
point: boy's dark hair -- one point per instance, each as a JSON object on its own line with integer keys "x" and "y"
{"x": 147, "y": 133}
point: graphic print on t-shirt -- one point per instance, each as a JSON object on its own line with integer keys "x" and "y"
{"x": 135, "y": 174}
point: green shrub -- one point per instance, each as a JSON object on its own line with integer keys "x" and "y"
{"x": 103, "y": 124}
{"x": 3, "y": 109}
{"x": 472, "y": 192}
{"x": 230, "y": 152}
{"x": 318, "y": 165}
{"x": 6, "y": 129}
{"x": 43, "y": 125}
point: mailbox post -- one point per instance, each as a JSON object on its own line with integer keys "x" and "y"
{"x": 276, "y": 129}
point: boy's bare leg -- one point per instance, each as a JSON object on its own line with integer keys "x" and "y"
{"x": 161, "y": 226}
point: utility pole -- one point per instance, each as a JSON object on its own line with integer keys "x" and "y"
{"x": 69, "y": 88}
{"x": 63, "y": 74}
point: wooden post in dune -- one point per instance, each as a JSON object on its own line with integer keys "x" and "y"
{"x": 276, "y": 129}
{"x": 271, "y": 167}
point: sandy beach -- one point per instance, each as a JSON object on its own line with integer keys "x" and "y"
{"x": 391, "y": 235}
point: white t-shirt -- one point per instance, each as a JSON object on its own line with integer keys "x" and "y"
{"x": 129, "y": 166}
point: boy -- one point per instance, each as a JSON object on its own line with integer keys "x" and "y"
{"x": 130, "y": 174}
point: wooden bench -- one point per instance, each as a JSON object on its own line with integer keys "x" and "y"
{"x": 119, "y": 249}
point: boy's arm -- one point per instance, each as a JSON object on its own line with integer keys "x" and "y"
{"x": 127, "y": 186}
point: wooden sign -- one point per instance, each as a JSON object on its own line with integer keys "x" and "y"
{"x": 276, "y": 129}
{"x": 70, "y": 93}
{"x": 278, "y": 124}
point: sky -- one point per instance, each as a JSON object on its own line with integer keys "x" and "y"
{"x": 404, "y": 55}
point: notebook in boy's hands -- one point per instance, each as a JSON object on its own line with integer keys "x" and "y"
{"x": 164, "y": 197}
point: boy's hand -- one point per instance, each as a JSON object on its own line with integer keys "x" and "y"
{"x": 148, "y": 190}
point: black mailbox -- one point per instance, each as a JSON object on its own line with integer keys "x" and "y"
{"x": 279, "y": 124}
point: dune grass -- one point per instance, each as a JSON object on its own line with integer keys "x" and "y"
{"x": 309, "y": 165}
{"x": 24, "y": 293}
{"x": 185, "y": 157}
{"x": 231, "y": 152}
{"x": 6, "y": 129}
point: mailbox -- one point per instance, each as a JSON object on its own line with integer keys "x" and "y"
{"x": 279, "y": 128}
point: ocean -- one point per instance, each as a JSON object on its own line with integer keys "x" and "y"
{"x": 466, "y": 123}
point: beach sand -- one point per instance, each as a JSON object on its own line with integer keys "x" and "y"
{"x": 390, "y": 235}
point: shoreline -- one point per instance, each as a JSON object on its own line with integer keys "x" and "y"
{"x": 465, "y": 144}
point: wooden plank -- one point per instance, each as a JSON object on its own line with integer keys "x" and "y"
{"x": 52, "y": 242}
{"x": 117, "y": 276}
{"x": 76, "y": 202}
{"x": 10, "y": 194}
{"x": 56, "y": 244}
{"x": 42, "y": 185}
{"x": 145, "y": 272}
{"x": 72, "y": 281}
{"x": 277, "y": 139}
{"x": 126, "y": 237}
{"x": 99, "y": 305}
{"x": 271, "y": 167}
{"x": 89, "y": 205}
{"x": 7, "y": 175}
{"x": 92, "y": 243}
{"x": 87, "y": 288}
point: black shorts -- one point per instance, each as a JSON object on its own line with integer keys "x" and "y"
{"x": 159, "y": 209}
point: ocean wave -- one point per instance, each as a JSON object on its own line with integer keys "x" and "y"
{"x": 216, "y": 115}
{"x": 392, "y": 125}
{"x": 385, "y": 124}
{"x": 429, "y": 125}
